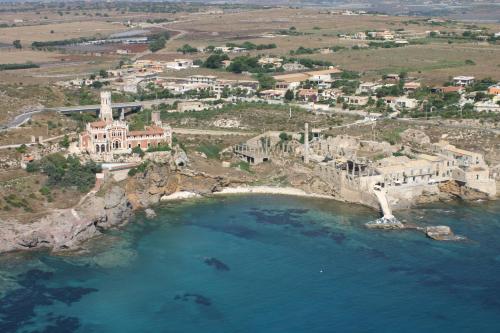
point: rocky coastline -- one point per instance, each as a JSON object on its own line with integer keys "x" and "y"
{"x": 110, "y": 207}
{"x": 115, "y": 203}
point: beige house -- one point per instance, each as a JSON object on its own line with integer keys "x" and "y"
{"x": 356, "y": 100}
{"x": 191, "y": 106}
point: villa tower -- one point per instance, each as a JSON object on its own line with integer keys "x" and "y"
{"x": 106, "y": 113}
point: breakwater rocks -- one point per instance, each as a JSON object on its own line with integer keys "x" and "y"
{"x": 385, "y": 223}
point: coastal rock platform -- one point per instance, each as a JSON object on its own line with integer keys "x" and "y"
{"x": 442, "y": 233}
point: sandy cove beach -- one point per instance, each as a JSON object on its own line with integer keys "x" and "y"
{"x": 248, "y": 190}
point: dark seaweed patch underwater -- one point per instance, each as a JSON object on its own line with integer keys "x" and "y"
{"x": 267, "y": 264}
{"x": 17, "y": 307}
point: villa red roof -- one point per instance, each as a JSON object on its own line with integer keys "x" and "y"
{"x": 98, "y": 124}
{"x": 151, "y": 130}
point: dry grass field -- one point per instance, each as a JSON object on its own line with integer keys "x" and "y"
{"x": 434, "y": 62}
{"x": 59, "y": 31}
{"x": 13, "y": 56}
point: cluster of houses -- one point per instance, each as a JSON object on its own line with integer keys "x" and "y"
{"x": 316, "y": 87}
{"x": 130, "y": 77}
{"x": 491, "y": 103}
{"x": 398, "y": 37}
{"x": 312, "y": 86}
{"x": 210, "y": 83}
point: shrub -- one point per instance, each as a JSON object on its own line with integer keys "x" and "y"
{"x": 138, "y": 150}
{"x": 186, "y": 48}
{"x": 244, "y": 166}
{"x": 6, "y": 67}
{"x": 22, "y": 149}
{"x": 66, "y": 172}
{"x": 210, "y": 150}
{"x": 45, "y": 191}
{"x": 64, "y": 143}
{"x": 161, "y": 147}
{"x": 139, "y": 169}
{"x": 215, "y": 60}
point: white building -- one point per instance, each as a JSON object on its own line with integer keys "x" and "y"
{"x": 463, "y": 80}
{"x": 488, "y": 106}
{"x": 368, "y": 88}
{"x": 208, "y": 79}
{"x": 405, "y": 103}
{"x": 179, "y": 64}
{"x": 356, "y": 100}
{"x": 295, "y": 66}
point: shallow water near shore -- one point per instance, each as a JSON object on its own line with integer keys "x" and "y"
{"x": 262, "y": 263}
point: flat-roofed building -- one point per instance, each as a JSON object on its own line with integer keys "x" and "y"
{"x": 179, "y": 64}
{"x": 463, "y": 80}
{"x": 464, "y": 157}
{"x": 209, "y": 79}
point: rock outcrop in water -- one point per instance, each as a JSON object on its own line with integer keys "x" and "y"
{"x": 442, "y": 233}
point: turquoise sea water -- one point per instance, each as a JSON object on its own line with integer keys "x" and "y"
{"x": 265, "y": 264}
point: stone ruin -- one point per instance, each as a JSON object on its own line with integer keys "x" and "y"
{"x": 415, "y": 137}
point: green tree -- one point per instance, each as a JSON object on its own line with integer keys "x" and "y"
{"x": 157, "y": 44}
{"x": 138, "y": 150}
{"x": 186, "y": 48}
{"x": 22, "y": 149}
{"x": 97, "y": 84}
{"x": 17, "y": 44}
{"x": 215, "y": 60}
{"x": 64, "y": 142}
{"x": 285, "y": 137}
{"x": 265, "y": 81}
{"x": 289, "y": 95}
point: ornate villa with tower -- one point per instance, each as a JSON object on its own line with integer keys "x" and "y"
{"x": 110, "y": 136}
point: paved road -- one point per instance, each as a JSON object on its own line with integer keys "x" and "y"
{"x": 21, "y": 118}
{"x": 94, "y": 108}
{"x": 25, "y": 116}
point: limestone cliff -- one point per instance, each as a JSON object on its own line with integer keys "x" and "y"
{"x": 454, "y": 189}
{"x": 67, "y": 229}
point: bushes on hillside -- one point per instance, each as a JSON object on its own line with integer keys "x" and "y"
{"x": 66, "y": 172}
{"x": 215, "y": 60}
